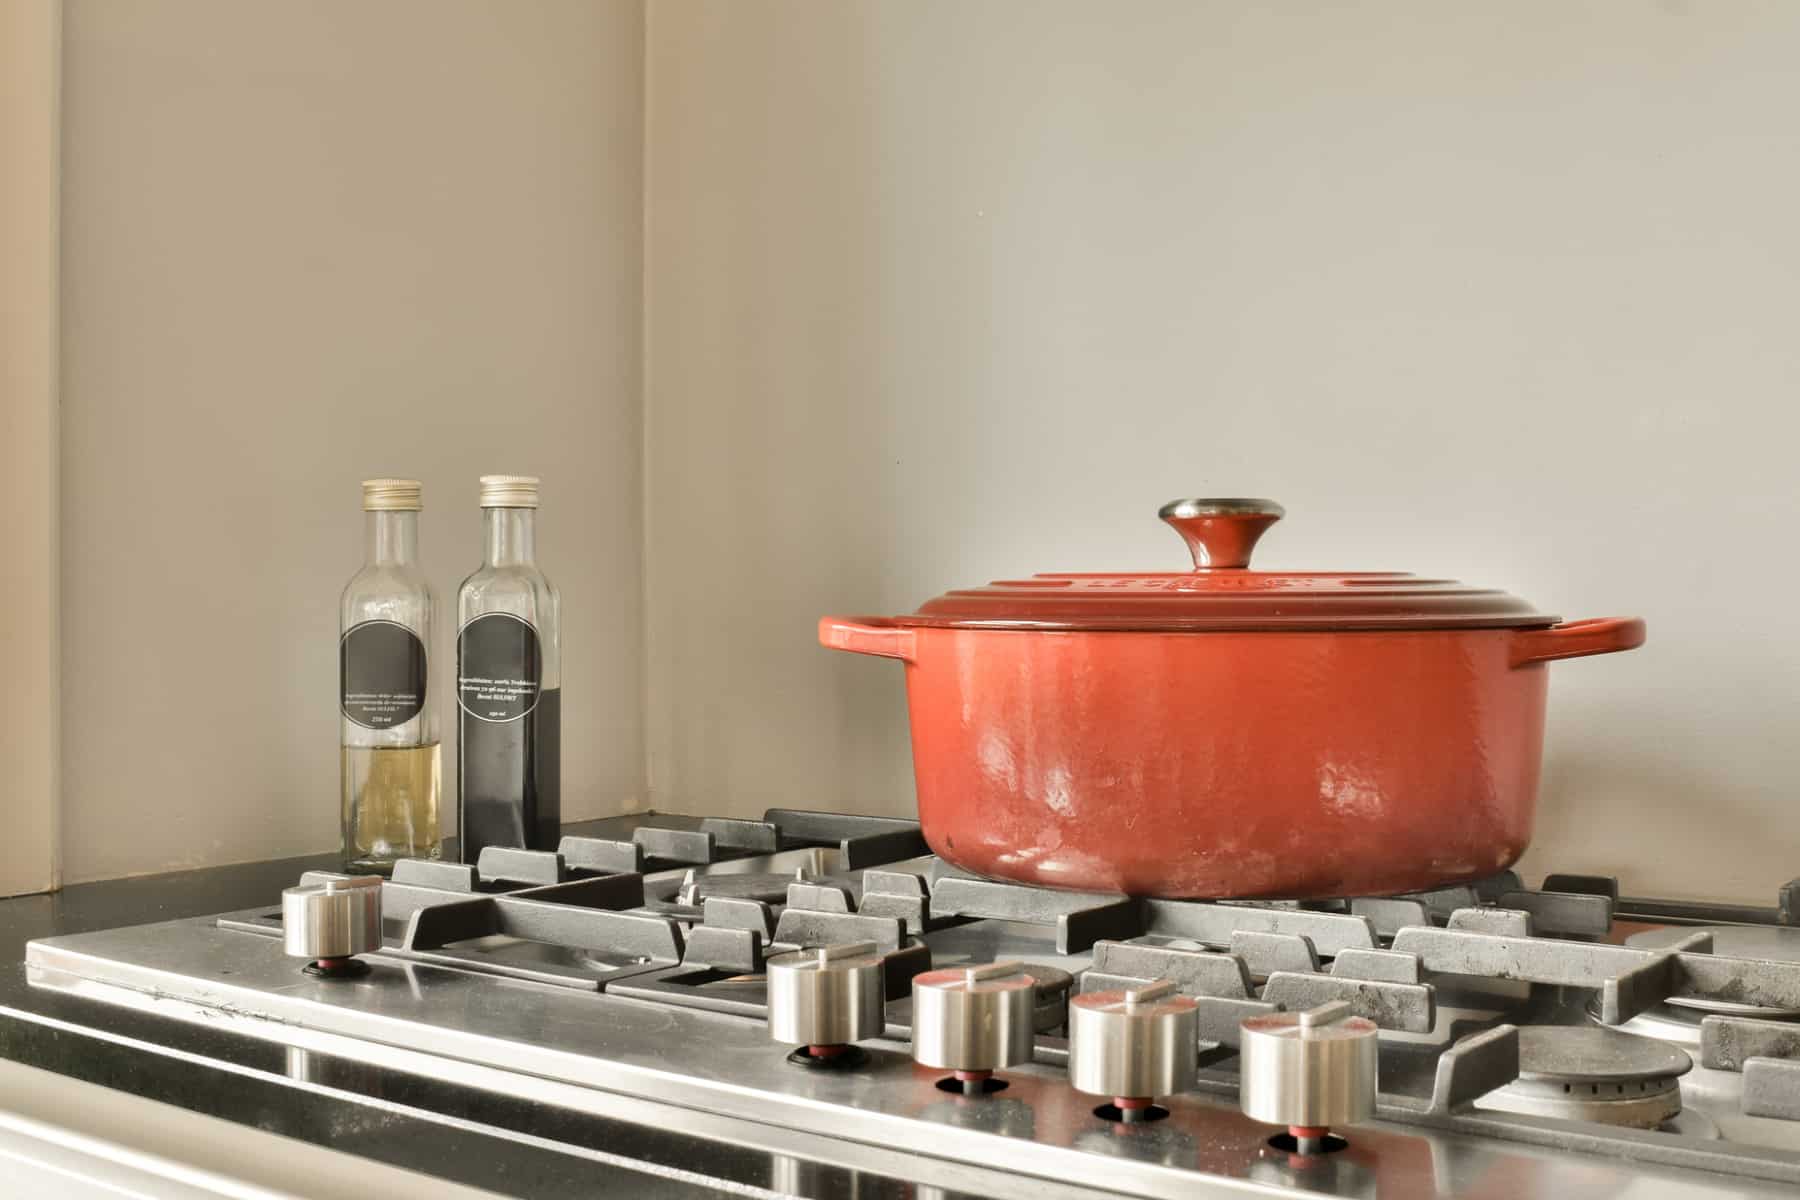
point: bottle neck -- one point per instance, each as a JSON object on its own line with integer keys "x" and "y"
{"x": 511, "y": 536}
{"x": 391, "y": 538}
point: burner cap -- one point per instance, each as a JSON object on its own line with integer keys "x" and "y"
{"x": 1593, "y": 1054}
{"x": 1590, "y": 1073}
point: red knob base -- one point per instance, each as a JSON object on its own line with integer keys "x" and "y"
{"x": 830, "y": 1058}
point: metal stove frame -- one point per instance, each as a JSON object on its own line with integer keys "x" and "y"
{"x": 624, "y": 1018}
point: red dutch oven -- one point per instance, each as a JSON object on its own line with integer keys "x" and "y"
{"x": 1226, "y": 732}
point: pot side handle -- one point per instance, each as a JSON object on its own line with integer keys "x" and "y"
{"x": 867, "y": 635}
{"x": 1573, "y": 639}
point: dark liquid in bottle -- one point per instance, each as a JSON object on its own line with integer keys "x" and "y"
{"x": 510, "y": 788}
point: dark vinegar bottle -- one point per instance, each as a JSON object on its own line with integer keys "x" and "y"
{"x": 509, "y": 683}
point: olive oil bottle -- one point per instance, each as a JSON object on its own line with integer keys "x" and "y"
{"x": 390, "y": 757}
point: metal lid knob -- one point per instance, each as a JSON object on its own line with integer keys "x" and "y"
{"x": 1221, "y": 533}
{"x": 1133, "y": 1045}
{"x": 973, "y": 1020}
{"x": 330, "y": 923}
{"x": 1310, "y": 1070}
{"x": 826, "y": 998}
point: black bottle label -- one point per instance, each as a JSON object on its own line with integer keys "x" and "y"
{"x": 381, "y": 674}
{"x": 499, "y": 668}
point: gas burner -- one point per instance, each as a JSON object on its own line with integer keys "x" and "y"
{"x": 1678, "y": 1018}
{"x": 1661, "y": 1023}
{"x": 1773, "y": 943}
{"x": 1681, "y": 1025}
{"x": 768, "y": 886}
{"x": 1588, "y": 1073}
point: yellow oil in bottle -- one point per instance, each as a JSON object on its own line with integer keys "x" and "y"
{"x": 391, "y": 804}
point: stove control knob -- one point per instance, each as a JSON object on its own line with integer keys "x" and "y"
{"x": 971, "y": 1020}
{"x": 825, "y": 999}
{"x": 1309, "y": 1071}
{"x": 1133, "y": 1045}
{"x": 330, "y": 923}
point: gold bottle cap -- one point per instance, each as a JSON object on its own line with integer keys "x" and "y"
{"x": 509, "y": 491}
{"x": 392, "y": 495}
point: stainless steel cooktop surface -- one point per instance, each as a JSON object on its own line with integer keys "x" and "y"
{"x": 1490, "y": 1040}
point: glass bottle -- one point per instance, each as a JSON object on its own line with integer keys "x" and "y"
{"x": 509, "y": 682}
{"x": 391, "y": 762}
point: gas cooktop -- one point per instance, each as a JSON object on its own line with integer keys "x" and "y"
{"x": 817, "y": 984}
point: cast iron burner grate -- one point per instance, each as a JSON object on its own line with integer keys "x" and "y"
{"x": 1449, "y": 977}
{"x": 579, "y": 918}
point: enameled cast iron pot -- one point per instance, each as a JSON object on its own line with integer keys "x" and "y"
{"x": 1227, "y": 732}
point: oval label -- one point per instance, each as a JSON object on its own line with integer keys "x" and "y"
{"x": 381, "y": 674}
{"x": 499, "y": 667}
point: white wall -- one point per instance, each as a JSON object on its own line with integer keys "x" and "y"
{"x": 943, "y": 292}
{"x": 306, "y": 244}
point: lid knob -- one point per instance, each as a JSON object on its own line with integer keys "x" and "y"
{"x": 1221, "y": 533}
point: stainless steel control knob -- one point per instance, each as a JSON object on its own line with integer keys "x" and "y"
{"x": 330, "y": 923}
{"x": 825, "y": 999}
{"x": 1309, "y": 1071}
{"x": 973, "y": 1020}
{"x": 1133, "y": 1045}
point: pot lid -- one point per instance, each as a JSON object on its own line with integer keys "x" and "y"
{"x": 1222, "y": 593}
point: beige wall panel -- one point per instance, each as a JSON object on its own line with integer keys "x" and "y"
{"x": 29, "y": 59}
{"x": 945, "y": 292}
{"x": 305, "y": 244}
